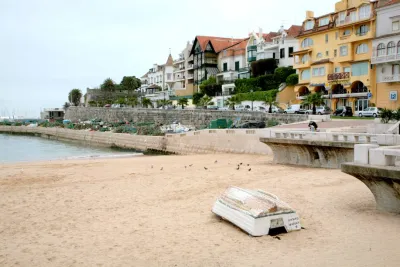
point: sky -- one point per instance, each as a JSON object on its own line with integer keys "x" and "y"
{"x": 48, "y": 47}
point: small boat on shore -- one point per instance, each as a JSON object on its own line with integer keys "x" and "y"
{"x": 255, "y": 211}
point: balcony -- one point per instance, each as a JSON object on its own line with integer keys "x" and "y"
{"x": 252, "y": 48}
{"x": 353, "y": 19}
{"x": 385, "y": 58}
{"x": 339, "y": 76}
{"x": 244, "y": 70}
{"x": 190, "y": 66}
{"x": 251, "y": 59}
{"x": 302, "y": 65}
{"x": 190, "y": 76}
{"x": 177, "y": 79}
{"x": 179, "y": 70}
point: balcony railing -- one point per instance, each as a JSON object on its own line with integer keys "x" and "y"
{"x": 391, "y": 78}
{"x": 251, "y": 59}
{"x": 352, "y": 19}
{"x": 241, "y": 70}
{"x": 190, "y": 66}
{"x": 385, "y": 58}
{"x": 252, "y": 48}
{"x": 339, "y": 76}
{"x": 190, "y": 76}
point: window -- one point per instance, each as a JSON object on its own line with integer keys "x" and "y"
{"x": 391, "y": 48}
{"x": 359, "y": 69}
{"x": 398, "y": 48}
{"x": 305, "y": 59}
{"x": 342, "y": 17}
{"x": 305, "y": 75}
{"x": 225, "y": 66}
{"x": 336, "y": 35}
{"x": 347, "y": 69}
{"x": 337, "y": 69}
{"x": 324, "y": 21}
{"x": 307, "y": 42}
{"x": 255, "y": 41}
{"x": 273, "y": 55}
{"x": 237, "y": 65}
{"x": 362, "y": 30}
{"x": 362, "y": 49}
{"x": 396, "y": 69}
{"x": 309, "y": 25}
{"x": 290, "y": 51}
{"x": 346, "y": 32}
{"x": 169, "y": 75}
{"x": 364, "y": 12}
{"x": 327, "y": 53}
{"x": 316, "y": 72}
{"x": 335, "y": 53}
{"x": 282, "y": 53}
{"x": 381, "y": 50}
{"x": 395, "y": 26}
{"x": 343, "y": 50}
{"x": 353, "y": 16}
{"x": 326, "y": 38}
{"x": 319, "y": 55}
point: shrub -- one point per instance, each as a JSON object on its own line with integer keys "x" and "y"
{"x": 292, "y": 79}
{"x": 263, "y": 66}
{"x": 197, "y": 97}
{"x": 387, "y": 115}
{"x": 261, "y": 83}
{"x": 396, "y": 115}
{"x": 256, "y": 96}
{"x": 282, "y": 73}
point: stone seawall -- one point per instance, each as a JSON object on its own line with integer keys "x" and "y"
{"x": 198, "y": 118}
{"x": 198, "y": 142}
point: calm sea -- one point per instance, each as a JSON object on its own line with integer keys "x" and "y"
{"x": 18, "y": 148}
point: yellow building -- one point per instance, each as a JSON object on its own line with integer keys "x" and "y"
{"x": 335, "y": 56}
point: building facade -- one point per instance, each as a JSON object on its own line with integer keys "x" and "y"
{"x": 386, "y": 54}
{"x": 183, "y": 73}
{"x": 334, "y": 56}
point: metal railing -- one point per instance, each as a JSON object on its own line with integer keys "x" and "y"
{"x": 339, "y": 76}
{"x": 352, "y": 19}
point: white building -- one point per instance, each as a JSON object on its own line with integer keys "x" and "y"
{"x": 386, "y": 54}
{"x": 183, "y": 73}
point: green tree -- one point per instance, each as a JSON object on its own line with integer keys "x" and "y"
{"x": 282, "y": 73}
{"x": 206, "y": 101}
{"x": 92, "y": 103}
{"x": 263, "y": 66}
{"x": 75, "y": 96}
{"x": 183, "y": 102}
{"x": 108, "y": 85}
{"x": 146, "y": 102}
{"x": 232, "y": 101}
{"x": 163, "y": 103}
{"x": 197, "y": 97}
{"x": 66, "y": 105}
{"x": 120, "y": 101}
{"x": 132, "y": 101}
{"x": 210, "y": 87}
{"x": 292, "y": 79}
{"x": 130, "y": 83}
{"x": 270, "y": 100}
{"x": 314, "y": 100}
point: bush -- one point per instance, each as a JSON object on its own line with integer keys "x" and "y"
{"x": 292, "y": 79}
{"x": 256, "y": 96}
{"x": 197, "y": 97}
{"x": 282, "y": 73}
{"x": 387, "y": 115}
{"x": 396, "y": 115}
{"x": 263, "y": 66}
{"x": 261, "y": 83}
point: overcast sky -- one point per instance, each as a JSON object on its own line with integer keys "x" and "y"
{"x": 48, "y": 47}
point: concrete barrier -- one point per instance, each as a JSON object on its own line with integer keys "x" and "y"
{"x": 380, "y": 175}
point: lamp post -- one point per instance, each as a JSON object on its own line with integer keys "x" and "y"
{"x": 252, "y": 99}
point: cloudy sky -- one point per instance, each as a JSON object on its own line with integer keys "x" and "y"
{"x": 48, "y": 47}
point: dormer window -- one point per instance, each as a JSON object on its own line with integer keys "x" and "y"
{"x": 323, "y": 21}
{"x": 309, "y": 25}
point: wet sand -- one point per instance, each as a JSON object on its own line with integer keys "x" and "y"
{"x": 123, "y": 212}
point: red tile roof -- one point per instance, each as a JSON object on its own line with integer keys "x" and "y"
{"x": 268, "y": 36}
{"x": 218, "y": 43}
{"x": 294, "y": 30}
{"x": 170, "y": 61}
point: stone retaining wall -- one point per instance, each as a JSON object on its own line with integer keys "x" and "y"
{"x": 197, "y": 118}
{"x": 199, "y": 142}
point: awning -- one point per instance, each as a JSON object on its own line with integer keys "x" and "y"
{"x": 305, "y": 51}
{"x": 212, "y": 71}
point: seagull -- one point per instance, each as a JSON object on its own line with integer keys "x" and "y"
{"x": 238, "y": 168}
{"x": 216, "y": 161}
{"x": 152, "y": 166}
{"x": 190, "y": 165}
{"x": 185, "y": 167}
{"x": 205, "y": 168}
{"x": 241, "y": 163}
{"x": 250, "y": 170}
{"x": 162, "y": 168}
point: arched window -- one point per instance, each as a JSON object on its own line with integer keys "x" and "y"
{"x": 305, "y": 59}
{"x": 307, "y": 42}
{"x": 305, "y": 75}
{"x": 362, "y": 49}
{"x": 398, "y": 48}
{"x": 364, "y": 12}
{"x": 391, "y": 48}
{"x": 381, "y": 50}
{"x": 319, "y": 55}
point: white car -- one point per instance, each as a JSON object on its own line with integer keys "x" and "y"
{"x": 293, "y": 109}
{"x": 322, "y": 110}
{"x": 370, "y": 112}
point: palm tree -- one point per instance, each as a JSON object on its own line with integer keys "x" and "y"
{"x": 163, "y": 103}
{"x": 314, "y": 100}
{"x": 271, "y": 101}
{"x": 66, "y": 105}
{"x": 146, "y": 102}
{"x": 132, "y": 101}
{"x": 206, "y": 101}
{"x": 232, "y": 101}
{"x": 75, "y": 96}
{"x": 183, "y": 102}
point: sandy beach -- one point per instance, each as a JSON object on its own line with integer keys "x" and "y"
{"x": 124, "y": 212}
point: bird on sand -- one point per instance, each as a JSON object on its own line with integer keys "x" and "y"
{"x": 162, "y": 168}
{"x": 238, "y": 167}
{"x": 152, "y": 166}
{"x": 205, "y": 168}
{"x": 190, "y": 165}
{"x": 216, "y": 161}
{"x": 250, "y": 170}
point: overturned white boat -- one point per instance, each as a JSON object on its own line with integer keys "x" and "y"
{"x": 255, "y": 211}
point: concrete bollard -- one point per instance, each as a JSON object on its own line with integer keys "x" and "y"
{"x": 361, "y": 153}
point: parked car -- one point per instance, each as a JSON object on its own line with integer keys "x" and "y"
{"x": 370, "y": 112}
{"x": 107, "y": 106}
{"x": 212, "y": 107}
{"x": 343, "y": 112}
{"x": 275, "y": 109}
{"x": 322, "y": 110}
{"x": 250, "y": 125}
{"x": 293, "y": 109}
{"x": 239, "y": 108}
{"x": 223, "y": 108}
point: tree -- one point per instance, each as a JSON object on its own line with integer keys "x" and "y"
{"x": 146, "y": 102}
{"x": 163, "y": 103}
{"x": 206, "y": 101}
{"x": 66, "y": 105}
{"x": 282, "y": 73}
{"x": 75, "y": 96}
{"x": 292, "y": 79}
{"x": 271, "y": 100}
{"x": 210, "y": 87}
{"x": 314, "y": 100}
{"x": 197, "y": 97}
{"x": 92, "y": 103}
{"x": 183, "y": 102}
{"x": 108, "y": 85}
{"x": 120, "y": 101}
{"x": 132, "y": 101}
{"x": 263, "y": 66}
{"x": 232, "y": 101}
{"x": 130, "y": 83}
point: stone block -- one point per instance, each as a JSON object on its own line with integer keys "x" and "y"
{"x": 377, "y": 157}
{"x": 361, "y": 153}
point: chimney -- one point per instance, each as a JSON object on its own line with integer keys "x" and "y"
{"x": 260, "y": 32}
{"x": 309, "y": 14}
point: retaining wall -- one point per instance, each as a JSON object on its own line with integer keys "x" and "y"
{"x": 197, "y": 118}
{"x": 199, "y": 142}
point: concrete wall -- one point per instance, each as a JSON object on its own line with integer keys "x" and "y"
{"x": 199, "y": 142}
{"x": 196, "y": 118}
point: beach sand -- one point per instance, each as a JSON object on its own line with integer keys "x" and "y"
{"x": 122, "y": 212}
